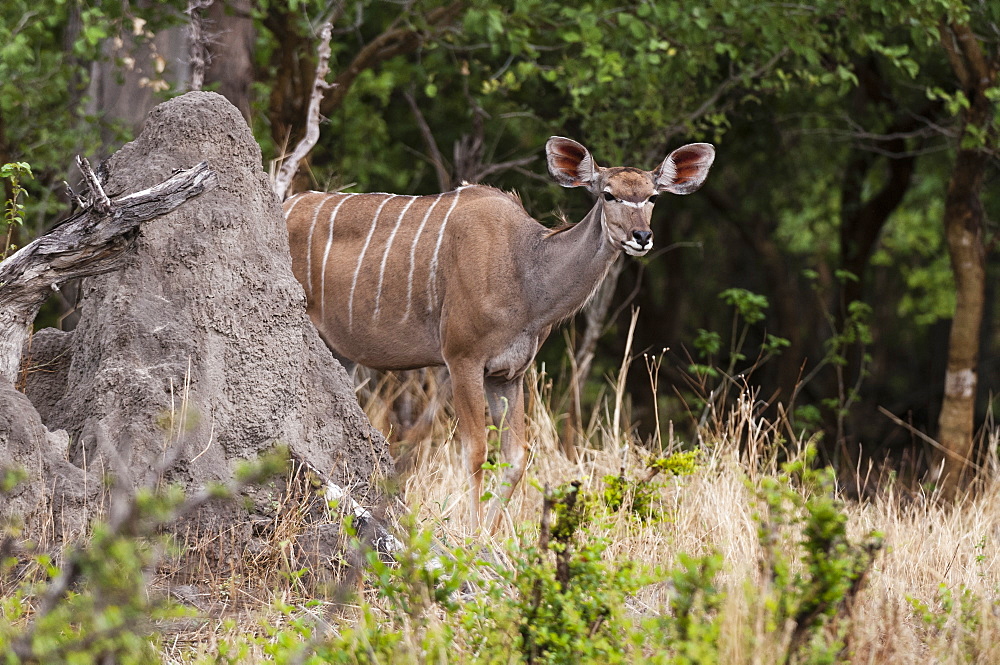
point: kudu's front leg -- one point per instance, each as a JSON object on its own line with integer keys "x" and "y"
{"x": 506, "y": 400}
{"x": 470, "y": 409}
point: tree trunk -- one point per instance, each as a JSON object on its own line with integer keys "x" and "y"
{"x": 125, "y": 94}
{"x": 963, "y": 221}
{"x": 231, "y": 34}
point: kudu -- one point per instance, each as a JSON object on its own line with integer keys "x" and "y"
{"x": 469, "y": 280}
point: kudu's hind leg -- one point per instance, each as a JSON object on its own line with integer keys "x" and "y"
{"x": 470, "y": 408}
{"x": 506, "y": 400}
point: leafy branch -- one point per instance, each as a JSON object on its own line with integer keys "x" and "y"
{"x": 13, "y": 212}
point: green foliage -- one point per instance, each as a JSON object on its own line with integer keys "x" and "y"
{"x": 47, "y": 51}
{"x": 571, "y": 603}
{"x": 813, "y": 588}
{"x": 110, "y": 614}
{"x": 638, "y": 496}
{"x": 107, "y": 614}
{"x": 913, "y": 244}
{"x": 96, "y": 605}
{"x": 707, "y": 343}
{"x": 780, "y": 92}
{"x": 559, "y": 602}
{"x": 749, "y": 306}
{"x": 749, "y": 315}
{"x": 808, "y": 416}
{"x": 696, "y": 604}
{"x": 11, "y": 478}
{"x": 957, "y": 616}
{"x": 552, "y": 595}
{"x": 13, "y": 213}
{"x": 682, "y": 463}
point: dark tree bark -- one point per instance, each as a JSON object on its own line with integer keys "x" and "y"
{"x": 861, "y": 223}
{"x": 231, "y": 47}
{"x": 295, "y": 72}
{"x": 791, "y": 309}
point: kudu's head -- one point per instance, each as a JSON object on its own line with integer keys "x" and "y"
{"x": 626, "y": 195}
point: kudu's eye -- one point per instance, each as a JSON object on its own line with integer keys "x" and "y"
{"x": 652, "y": 199}
{"x": 609, "y": 197}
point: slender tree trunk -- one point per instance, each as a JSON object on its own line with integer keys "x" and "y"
{"x": 963, "y": 221}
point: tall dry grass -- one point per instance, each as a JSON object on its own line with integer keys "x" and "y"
{"x": 932, "y": 548}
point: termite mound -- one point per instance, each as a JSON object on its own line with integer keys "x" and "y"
{"x": 199, "y": 348}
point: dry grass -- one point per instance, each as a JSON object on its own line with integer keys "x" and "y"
{"x": 930, "y": 545}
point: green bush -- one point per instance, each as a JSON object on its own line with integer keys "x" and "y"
{"x": 811, "y": 583}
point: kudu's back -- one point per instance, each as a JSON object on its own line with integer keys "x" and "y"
{"x": 376, "y": 267}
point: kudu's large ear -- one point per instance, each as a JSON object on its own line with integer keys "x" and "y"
{"x": 570, "y": 163}
{"x": 685, "y": 169}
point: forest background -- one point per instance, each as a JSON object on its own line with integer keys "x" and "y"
{"x": 838, "y": 260}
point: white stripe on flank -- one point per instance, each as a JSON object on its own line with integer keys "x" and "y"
{"x": 385, "y": 255}
{"x": 431, "y": 279}
{"x": 413, "y": 252}
{"x": 326, "y": 254}
{"x": 309, "y": 239}
{"x": 294, "y": 201}
{"x": 361, "y": 258}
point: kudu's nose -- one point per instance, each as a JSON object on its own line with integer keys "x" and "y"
{"x": 642, "y": 237}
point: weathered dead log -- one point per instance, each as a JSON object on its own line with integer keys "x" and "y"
{"x": 93, "y": 241}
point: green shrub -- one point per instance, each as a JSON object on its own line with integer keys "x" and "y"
{"x": 13, "y": 211}
{"x": 638, "y": 496}
{"x": 815, "y": 598}
{"x": 96, "y": 607}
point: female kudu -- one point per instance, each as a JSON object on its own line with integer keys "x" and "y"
{"x": 468, "y": 279}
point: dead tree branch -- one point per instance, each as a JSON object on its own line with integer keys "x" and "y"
{"x": 283, "y": 180}
{"x": 94, "y": 240}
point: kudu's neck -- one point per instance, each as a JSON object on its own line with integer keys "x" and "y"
{"x": 570, "y": 266}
